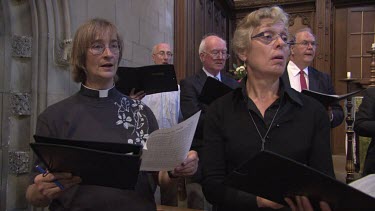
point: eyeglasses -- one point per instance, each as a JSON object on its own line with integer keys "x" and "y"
{"x": 163, "y": 53}
{"x": 98, "y": 48}
{"x": 268, "y": 37}
{"x": 307, "y": 43}
{"x": 215, "y": 54}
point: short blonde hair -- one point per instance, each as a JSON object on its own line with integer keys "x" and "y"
{"x": 246, "y": 26}
{"x": 84, "y": 36}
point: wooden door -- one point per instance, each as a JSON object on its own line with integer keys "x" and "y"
{"x": 353, "y": 34}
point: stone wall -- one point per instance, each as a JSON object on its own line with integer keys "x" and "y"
{"x": 35, "y": 37}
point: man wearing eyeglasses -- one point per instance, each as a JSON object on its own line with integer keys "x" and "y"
{"x": 213, "y": 54}
{"x": 165, "y": 105}
{"x": 166, "y": 108}
{"x": 301, "y": 76}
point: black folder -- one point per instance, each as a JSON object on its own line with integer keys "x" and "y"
{"x": 327, "y": 99}
{"x": 213, "y": 89}
{"x": 150, "y": 79}
{"x": 97, "y": 163}
{"x": 274, "y": 177}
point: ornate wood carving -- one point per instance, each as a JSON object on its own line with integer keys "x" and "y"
{"x": 242, "y": 4}
{"x": 351, "y": 3}
{"x": 305, "y": 20}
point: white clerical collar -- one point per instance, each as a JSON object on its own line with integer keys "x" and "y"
{"x": 102, "y": 92}
{"x": 218, "y": 76}
{"x": 294, "y": 70}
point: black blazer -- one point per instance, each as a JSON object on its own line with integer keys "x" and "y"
{"x": 191, "y": 88}
{"x": 321, "y": 82}
{"x": 364, "y": 125}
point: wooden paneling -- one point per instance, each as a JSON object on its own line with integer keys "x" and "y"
{"x": 196, "y": 19}
{"x": 353, "y": 33}
{"x": 340, "y": 31}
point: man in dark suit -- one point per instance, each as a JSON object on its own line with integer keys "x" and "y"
{"x": 364, "y": 125}
{"x": 213, "y": 55}
{"x": 300, "y": 75}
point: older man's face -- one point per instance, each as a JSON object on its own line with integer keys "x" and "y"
{"x": 303, "y": 52}
{"x": 215, "y": 55}
{"x": 162, "y": 54}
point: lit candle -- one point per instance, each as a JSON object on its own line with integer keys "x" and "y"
{"x": 348, "y": 74}
{"x": 373, "y": 46}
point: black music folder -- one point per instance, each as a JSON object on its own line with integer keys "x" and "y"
{"x": 150, "y": 79}
{"x": 213, "y": 89}
{"x": 327, "y": 99}
{"x": 97, "y": 163}
{"x": 274, "y": 177}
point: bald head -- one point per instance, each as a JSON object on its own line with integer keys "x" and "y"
{"x": 162, "y": 54}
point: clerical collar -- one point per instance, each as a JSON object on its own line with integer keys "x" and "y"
{"x": 101, "y": 93}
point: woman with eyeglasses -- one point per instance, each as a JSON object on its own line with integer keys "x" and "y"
{"x": 262, "y": 114}
{"x": 98, "y": 112}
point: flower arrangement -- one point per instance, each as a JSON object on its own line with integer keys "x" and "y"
{"x": 238, "y": 72}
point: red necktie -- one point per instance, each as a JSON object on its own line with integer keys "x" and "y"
{"x": 302, "y": 80}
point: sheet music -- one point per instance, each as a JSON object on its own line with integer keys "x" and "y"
{"x": 167, "y": 148}
{"x": 365, "y": 184}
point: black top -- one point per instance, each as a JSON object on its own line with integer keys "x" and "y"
{"x": 191, "y": 89}
{"x": 115, "y": 118}
{"x": 300, "y": 131}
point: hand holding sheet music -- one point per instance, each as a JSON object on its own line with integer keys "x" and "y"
{"x": 167, "y": 148}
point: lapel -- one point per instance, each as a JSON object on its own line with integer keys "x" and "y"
{"x": 313, "y": 79}
{"x": 227, "y": 81}
{"x": 200, "y": 79}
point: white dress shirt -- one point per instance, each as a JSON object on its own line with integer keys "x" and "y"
{"x": 165, "y": 106}
{"x": 293, "y": 73}
{"x": 218, "y": 76}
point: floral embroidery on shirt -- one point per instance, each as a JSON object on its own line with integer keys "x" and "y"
{"x": 132, "y": 117}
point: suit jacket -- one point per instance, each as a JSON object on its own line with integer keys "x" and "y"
{"x": 364, "y": 125}
{"x": 191, "y": 88}
{"x": 321, "y": 82}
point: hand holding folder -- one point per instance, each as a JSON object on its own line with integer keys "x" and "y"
{"x": 275, "y": 177}
{"x": 97, "y": 163}
{"x": 115, "y": 164}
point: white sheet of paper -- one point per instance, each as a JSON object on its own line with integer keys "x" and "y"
{"x": 365, "y": 184}
{"x": 167, "y": 148}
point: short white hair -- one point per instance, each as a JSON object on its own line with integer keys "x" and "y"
{"x": 202, "y": 45}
